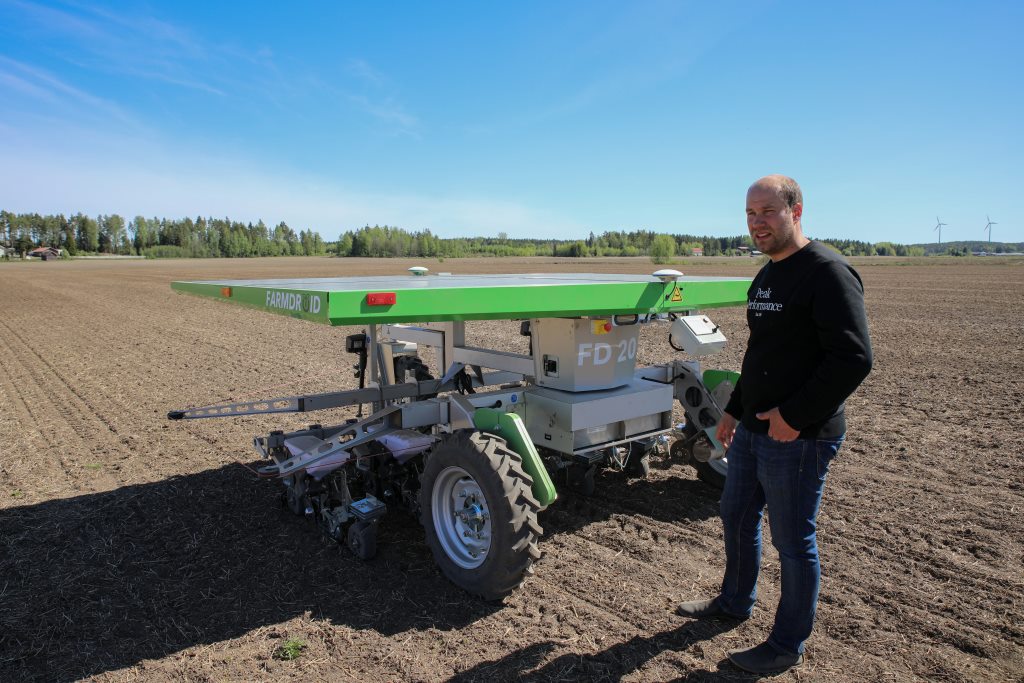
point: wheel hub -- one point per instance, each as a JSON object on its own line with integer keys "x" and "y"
{"x": 461, "y": 518}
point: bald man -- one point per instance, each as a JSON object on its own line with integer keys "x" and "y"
{"x": 808, "y": 350}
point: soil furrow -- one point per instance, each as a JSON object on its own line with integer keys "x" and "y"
{"x": 60, "y": 393}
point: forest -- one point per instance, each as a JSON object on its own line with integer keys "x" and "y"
{"x": 156, "y": 237}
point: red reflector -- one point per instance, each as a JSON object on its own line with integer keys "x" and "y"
{"x": 225, "y": 291}
{"x": 607, "y": 327}
{"x": 381, "y": 299}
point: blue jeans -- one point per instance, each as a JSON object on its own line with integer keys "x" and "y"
{"x": 789, "y": 478}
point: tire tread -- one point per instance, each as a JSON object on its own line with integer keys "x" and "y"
{"x": 520, "y": 538}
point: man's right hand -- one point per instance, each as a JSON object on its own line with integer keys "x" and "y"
{"x": 726, "y": 428}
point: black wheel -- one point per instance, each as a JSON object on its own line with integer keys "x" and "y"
{"x": 680, "y": 451}
{"x": 295, "y": 496}
{"x": 712, "y": 472}
{"x": 362, "y": 539}
{"x": 479, "y": 513}
{"x": 639, "y": 462}
{"x": 580, "y": 478}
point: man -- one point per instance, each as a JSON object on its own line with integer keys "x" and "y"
{"x": 808, "y": 350}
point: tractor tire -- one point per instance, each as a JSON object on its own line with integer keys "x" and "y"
{"x": 479, "y": 513}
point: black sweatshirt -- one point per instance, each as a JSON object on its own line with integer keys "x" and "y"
{"x": 809, "y": 346}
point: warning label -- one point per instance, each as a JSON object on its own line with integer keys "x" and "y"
{"x": 677, "y": 294}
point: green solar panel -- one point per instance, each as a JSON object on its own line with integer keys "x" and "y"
{"x": 436, "y": 298}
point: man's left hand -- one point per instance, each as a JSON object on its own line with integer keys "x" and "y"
{"x": 778, "y": 429}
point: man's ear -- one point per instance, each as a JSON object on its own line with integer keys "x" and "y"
{"x": 797, "y": 211}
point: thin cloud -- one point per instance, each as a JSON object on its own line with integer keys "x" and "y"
{"x": 387, "y": 112}
{"x": 47, "y": 87}
{"x": 9, "y": 80}
{"x": 139, "y": 46}
{"x": 363, "y": 71}
{"x": 53, "y": 19}
{"x": 378, "y": 98}
{"x": 642, "y": 45}
{"x": 152, "y": 29}
{"x": 147, "y": 48}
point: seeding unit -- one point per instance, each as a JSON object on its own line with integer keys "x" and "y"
{"x": 467, "y": 438}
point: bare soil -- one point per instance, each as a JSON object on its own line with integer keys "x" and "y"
{"x": 134, "y": 548}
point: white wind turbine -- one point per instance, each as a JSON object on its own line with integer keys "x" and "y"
{"x": 938, "y": 226}
{"x": 988, "y": 226}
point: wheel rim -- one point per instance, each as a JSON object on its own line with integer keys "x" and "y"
{"x": 462, "y": 520}
{"x": 720, "y": 465}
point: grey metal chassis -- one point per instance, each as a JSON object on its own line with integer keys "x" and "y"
{"x": 564, "y": 422}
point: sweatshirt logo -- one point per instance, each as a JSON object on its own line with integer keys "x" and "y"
{"x": 762, "y": 302}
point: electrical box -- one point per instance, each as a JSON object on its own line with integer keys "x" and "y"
{"x": 697, "y": 335}
{"x": 568, "y": 421}
{"x": 583, "y": 354}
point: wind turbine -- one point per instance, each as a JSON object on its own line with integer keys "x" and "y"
{"x": 988, "y": 227}
{"x": 938, "y": 226}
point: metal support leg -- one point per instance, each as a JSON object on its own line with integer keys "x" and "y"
{"x": 374, "y": 362}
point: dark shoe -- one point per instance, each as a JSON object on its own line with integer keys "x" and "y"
{"x": 763, "y": 659}
{"x": 705, "y": 609}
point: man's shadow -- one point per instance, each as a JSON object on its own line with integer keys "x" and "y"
{"x": 101, "y": 581}
{"x": 608, "y": 665}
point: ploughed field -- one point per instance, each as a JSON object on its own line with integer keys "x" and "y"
{"x": 134, "y": 548}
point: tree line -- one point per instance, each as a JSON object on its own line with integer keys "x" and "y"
{"x": 223, "y": 237}
{"x": 388, "y": 241}
{"x": 156, "y": 237}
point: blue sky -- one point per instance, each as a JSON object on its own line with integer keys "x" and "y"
{"x": 539, "y": 119}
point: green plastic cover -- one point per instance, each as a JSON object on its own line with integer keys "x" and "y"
{"x": 510, "y": 427}
{"x": 712, "y": 378}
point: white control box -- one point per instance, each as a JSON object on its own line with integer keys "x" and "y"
{"x": 697, "y": 335}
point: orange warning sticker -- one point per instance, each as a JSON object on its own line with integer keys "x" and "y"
{"x": 677, "y": 294}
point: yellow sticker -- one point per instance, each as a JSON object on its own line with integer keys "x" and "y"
{"x": 677, "y": 294}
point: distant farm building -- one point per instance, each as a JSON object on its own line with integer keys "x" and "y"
{"x": 697, "y": 251}
{"x": 46, "y": 253}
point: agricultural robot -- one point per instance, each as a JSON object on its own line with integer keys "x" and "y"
{"x": 470, "y": 439}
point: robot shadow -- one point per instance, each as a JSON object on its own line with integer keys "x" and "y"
{"x": 102, "y": 581}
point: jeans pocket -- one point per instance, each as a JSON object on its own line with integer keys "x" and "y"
{"x": 826, "y": 451}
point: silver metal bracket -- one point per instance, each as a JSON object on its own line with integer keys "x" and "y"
{"x": 377, "y": 425}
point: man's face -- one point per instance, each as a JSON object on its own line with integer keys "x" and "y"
{"x": 771, "y": 223}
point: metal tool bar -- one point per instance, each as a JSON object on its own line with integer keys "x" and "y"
{"x": 498, "y": 360}
{"x": 416, "y": 335}
{"x": 621, "y": 442}
{"x": 336, "y": 399}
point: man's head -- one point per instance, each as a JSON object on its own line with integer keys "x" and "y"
{"x": 774, "y": 207}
